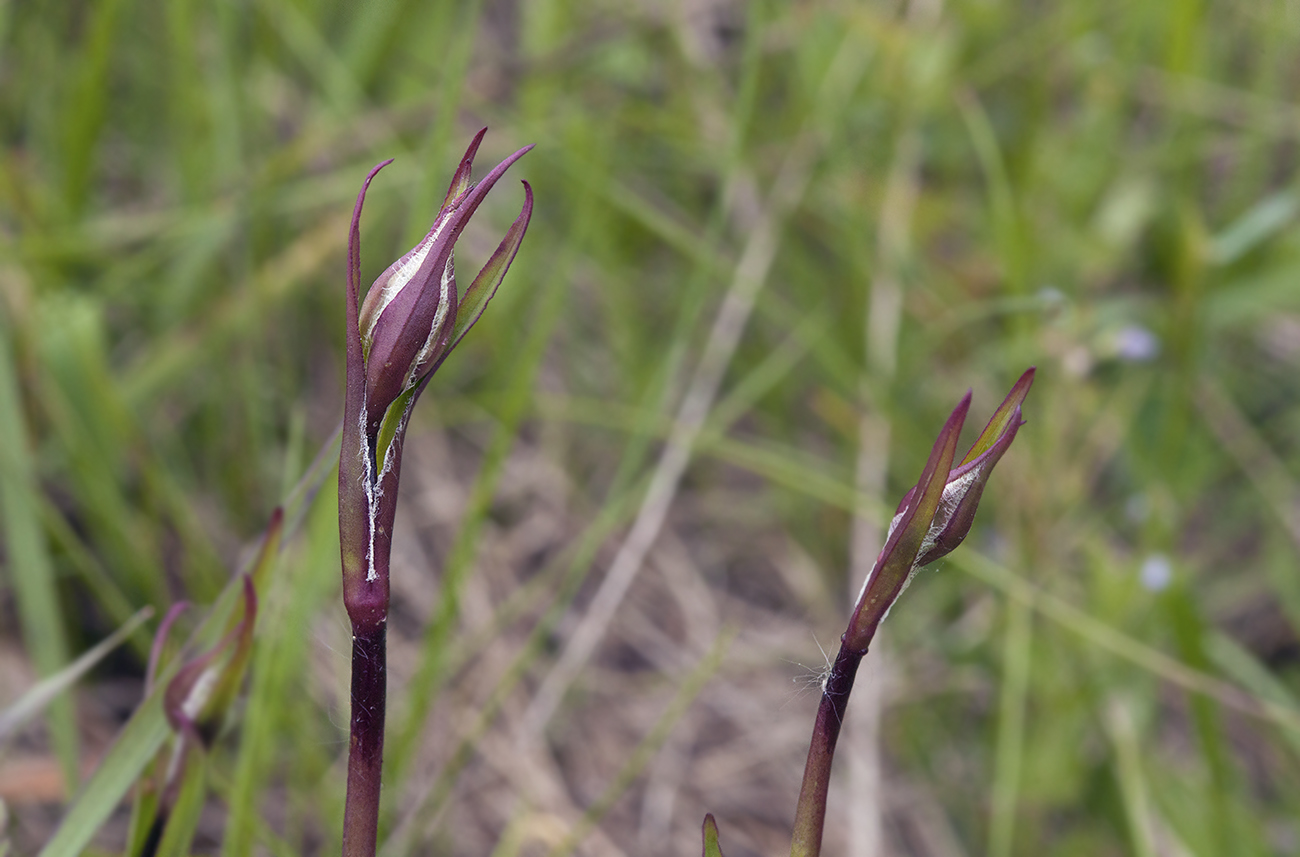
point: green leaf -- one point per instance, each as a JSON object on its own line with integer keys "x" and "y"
{"x": 184, "y": 818}
{"x": 134, "y": 748}
{"x": 34, "y": 700}
{"x": 711, "y": 846}
{"x": 27, "y": 557}
{"x": 476, "y": 297}
{"x": 1002, "y": 417}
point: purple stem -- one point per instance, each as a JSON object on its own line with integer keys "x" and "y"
{"x": 810, "y": 815}
{"x": 366, "y": 753}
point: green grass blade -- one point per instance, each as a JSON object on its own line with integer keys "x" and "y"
{"x": 183, "y": 821}
{"x": 1005, "y": 788}
{"x": 46, "y": 691}
{"x": 135, "y": 746}
{"x": 1133, "y": 786}
{"x": 87, "y": 109}
{"x": 302, "y": 590}
{"x": 28, "y": 564}
{"x": 121, "y": 767}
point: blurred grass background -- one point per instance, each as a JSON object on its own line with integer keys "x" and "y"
{"x": 886, "y": 203}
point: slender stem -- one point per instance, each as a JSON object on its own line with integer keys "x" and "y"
{"x": 366, "y": 753}
{"x": 810, "y": 815}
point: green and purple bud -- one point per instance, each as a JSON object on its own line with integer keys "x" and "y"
{"x": 935, "y": 515}
{"x": 932, "y": 520}
{"x": 196, "y": 701}
{"x": 204, "y": 689}
{"x": 411, "y": 319}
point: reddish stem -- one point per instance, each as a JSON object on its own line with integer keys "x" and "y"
{"x": 366, "y": 753}
{"x": 810, "y": 814}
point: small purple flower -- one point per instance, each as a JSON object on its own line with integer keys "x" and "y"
{"x": 1156, "y": 573}
{"x": 1136, "y": 344}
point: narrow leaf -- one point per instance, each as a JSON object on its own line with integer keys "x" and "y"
{"x": 183, "y": 820}
{"x": 134, "y": 748}
{"x": 1002, "y": 417}
{"x": 160, "y": 643}
{"x": 711, "y": 846}
{"x": 33, "y": 701}
{"x": 27, "y": 557}
{"x": 268, "y": 551}
{"x": 354, "y": 518}
{"x": 485, "y": 284}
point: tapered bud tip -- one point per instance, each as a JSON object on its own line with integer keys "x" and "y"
{"x": 710, "y": 832}
{"x": 361, "y": 195}
{"x": 965, "y": 484}
{"x": 1006, "y": 419}
{"x": 955, "y": 420}
{"x": 1021, "y": 388}
{"x": 936, "y": 515}
{"x": 250, "y": 602}
{"x": 160, "y": 641}
{"x": 354, "y": 254}
{"x": 460, "y": 180}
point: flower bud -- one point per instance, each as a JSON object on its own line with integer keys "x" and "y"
{"x": 202, "y": 691}
{"x": 936, "y": 515}
{"x": 410, "y": 314}
{"x": 411, "y": 319}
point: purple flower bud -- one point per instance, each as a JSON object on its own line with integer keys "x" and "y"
{"x": 411, "y": 319}
{"x": 965, "y": 485}
{"x": 198, "y": 696}
{"x": 935, "y": 516}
